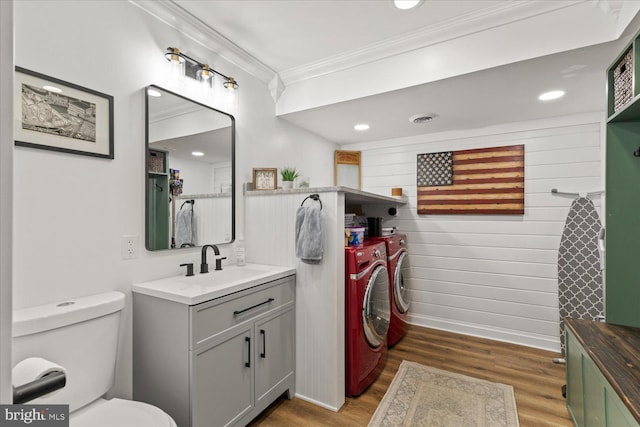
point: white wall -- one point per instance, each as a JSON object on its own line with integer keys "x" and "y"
{"x": 197, "y": 176}
{"x": 6, "y": 196}
{"x": 490, "y": 275}
{"x": 320, "y": 327}
{"x": 70, "y": 210}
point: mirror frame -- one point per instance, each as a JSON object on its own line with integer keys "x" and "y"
{"x": 146, "y": 168}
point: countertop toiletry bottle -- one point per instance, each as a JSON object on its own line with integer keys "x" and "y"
{"x": 240, "y": 254}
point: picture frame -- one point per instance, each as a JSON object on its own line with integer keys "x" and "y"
{"x": 52, "y": 114}
{"x": 346, "y": 170}
{"x": 265, "y": 178}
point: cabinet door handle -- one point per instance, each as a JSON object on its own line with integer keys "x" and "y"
{"x": 248, "y": 362}
{"x": 264, "y": 343}
{"x": 237, "y": 312}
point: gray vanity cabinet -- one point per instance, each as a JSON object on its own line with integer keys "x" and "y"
{"x": 221, "y": 383}
{"x": 218, "y": 363}
{"x": 275, "y": 353}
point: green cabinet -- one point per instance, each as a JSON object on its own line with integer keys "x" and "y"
{"x": 622, "y": 290}
{"x": 591, "y": 400}
{"x": 158, "y": 200}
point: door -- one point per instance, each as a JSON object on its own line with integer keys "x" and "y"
{"x": 274, "y": 351}
{"x": 221, "y": 379}
{"x": 400, "y": 293}
{"x": 376, "y": 309}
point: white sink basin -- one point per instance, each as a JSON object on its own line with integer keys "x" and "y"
{"x": 228, "y": 274}
{"x": 215, "y": 284}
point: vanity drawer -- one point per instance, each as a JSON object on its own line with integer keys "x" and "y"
{"x": 213, "y": 317}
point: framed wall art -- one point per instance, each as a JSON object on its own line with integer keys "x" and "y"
{"x": 52, "y": 114}
{"x": 265, "y": 178}
{"x": 487, "y": 181}
{"x": 347, "y": 169}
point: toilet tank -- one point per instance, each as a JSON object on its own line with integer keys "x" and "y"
{"x": 79, "y": 334}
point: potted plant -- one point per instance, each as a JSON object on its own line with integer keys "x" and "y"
{"x": 288, "y": 175}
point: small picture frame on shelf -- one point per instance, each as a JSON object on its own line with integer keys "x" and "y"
{"x": 265, "y": 178}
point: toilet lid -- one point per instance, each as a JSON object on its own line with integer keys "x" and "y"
{"x": 122, "y": 413}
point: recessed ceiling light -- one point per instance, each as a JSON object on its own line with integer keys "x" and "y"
{"x": 554, "y": 94}
{"x": 152, "y": 92}
{"x": 52, "y": 89}
{"x": 406, "y": 4}
{"x": 197, "y": 153}
{"x": 361, "y": 126}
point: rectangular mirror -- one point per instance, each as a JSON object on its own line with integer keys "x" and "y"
{"x": 190, "y": 169}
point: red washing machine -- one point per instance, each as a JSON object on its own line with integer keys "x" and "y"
{"x": 397, "y": 260}
{"x": 367, "y": 314}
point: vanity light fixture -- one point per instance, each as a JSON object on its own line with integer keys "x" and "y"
{"x": 361, "y": 127}
{"x": 198, "y": 70}
{"x": 548, "y": 96}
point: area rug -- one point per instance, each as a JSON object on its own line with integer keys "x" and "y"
{"x": 424, "y": 396}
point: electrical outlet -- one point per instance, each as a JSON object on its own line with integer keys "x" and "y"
{"x": 129, "y": 247}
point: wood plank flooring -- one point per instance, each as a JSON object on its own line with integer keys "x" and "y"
{"x": 536, "y": 380}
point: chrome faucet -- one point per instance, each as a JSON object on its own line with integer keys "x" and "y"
{"x": 204, "y": 267}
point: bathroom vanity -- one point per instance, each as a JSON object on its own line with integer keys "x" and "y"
{"x": 217, "y": 348}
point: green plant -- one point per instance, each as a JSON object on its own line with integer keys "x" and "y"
{"x": 289, "y": 174}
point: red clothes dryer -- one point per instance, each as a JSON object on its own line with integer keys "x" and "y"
{"x": 367, "y": 315}
{"x": 397, "y": 261}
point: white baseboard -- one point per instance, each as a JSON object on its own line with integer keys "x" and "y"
{"x": 317, "y": 403}
{"x": 512, "y": 337}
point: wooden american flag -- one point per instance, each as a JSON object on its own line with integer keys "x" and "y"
{"x": 481, "y": 181}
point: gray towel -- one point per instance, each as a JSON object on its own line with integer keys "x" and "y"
{"x": 309, "y": 234}
{"x": 186, "y": 226}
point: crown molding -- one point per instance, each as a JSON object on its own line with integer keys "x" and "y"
{"x": 176, "y": 17}
{"x": 471, "y": 23}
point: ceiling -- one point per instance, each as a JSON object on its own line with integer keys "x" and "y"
{"x": 285, "y": 34}
{"x": 302, "y": 40}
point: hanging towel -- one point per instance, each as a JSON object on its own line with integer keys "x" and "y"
{"x": 309, "y": 234}
{"x": 185, "y": 226}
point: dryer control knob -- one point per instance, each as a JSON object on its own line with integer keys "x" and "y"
{"x": 377, "y": 253}
{"x": 401, "y": 242}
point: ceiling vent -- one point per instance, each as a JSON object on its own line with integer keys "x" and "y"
{"x": 421, "y": 118}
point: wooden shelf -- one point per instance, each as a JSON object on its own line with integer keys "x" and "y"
{"x": 630, "y": 112}
{"x": 615, "y": 350}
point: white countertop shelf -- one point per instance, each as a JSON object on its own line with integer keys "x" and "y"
{"x": 351, "y": 194}
{"x": 215, "y": 284}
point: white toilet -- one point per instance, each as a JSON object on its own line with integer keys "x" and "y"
{"x": 81, "y": 335}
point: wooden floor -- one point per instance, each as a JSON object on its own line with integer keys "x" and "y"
{"x": 536, "y": 380}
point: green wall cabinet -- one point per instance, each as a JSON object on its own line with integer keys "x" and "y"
{"x": 158, "y": 202}
{"x": 622, "y": 290}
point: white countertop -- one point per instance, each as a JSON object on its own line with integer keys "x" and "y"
{"x": 351, "y": 194}
{"x": 215, "y": 284}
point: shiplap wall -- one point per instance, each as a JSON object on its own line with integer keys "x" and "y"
{"x": 320, "y": 327}
{"x": 491, "y": 275}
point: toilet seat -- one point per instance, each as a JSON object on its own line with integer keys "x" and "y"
{"x": 120, "y": 413}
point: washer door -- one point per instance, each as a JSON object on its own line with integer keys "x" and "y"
{"x": 376, "y": 308}
{"x": 400, "y": 293}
